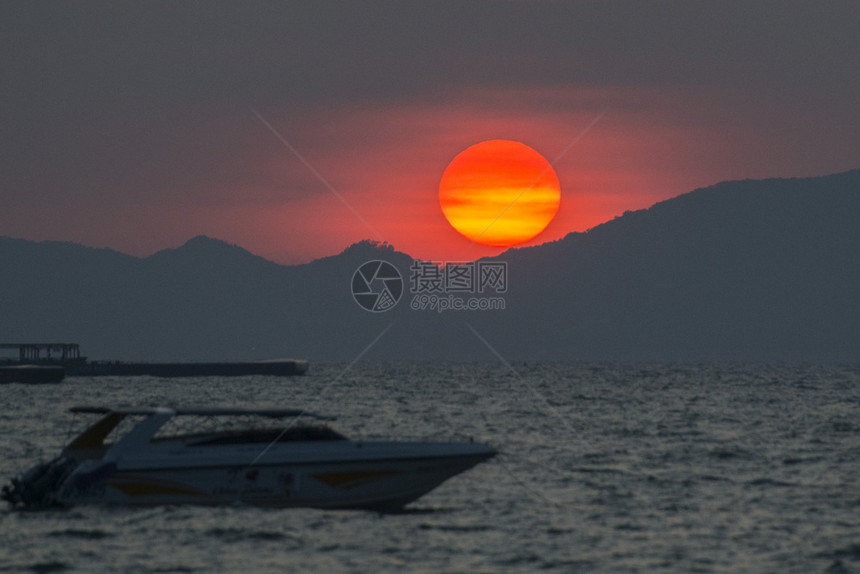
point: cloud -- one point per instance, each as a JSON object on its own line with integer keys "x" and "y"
{"x": 130, "y": 56}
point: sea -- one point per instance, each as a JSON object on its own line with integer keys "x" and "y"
{"x": 603, "y": 468}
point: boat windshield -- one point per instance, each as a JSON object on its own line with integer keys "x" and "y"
{"x": 95, "y": 439}
{"x": 244, "y": 429}
{"x": 293, "y": 434}
{"x": 206, "y": 428}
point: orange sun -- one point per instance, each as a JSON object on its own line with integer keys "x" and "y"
{"x": 499, "y": 193}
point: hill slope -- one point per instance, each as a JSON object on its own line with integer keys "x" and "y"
{"x": 745, "y": 270}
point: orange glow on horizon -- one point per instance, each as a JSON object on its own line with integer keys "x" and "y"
{"x": 499, "y": 193}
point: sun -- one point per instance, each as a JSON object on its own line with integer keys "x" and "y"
{"x": 499, "y": 193}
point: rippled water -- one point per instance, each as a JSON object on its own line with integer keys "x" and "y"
{"x": 605, "y": 468}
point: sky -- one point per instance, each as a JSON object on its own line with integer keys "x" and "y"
{"x": 295, "y": 129}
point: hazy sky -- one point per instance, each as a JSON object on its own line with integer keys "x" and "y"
{"x": 133, "y": 125}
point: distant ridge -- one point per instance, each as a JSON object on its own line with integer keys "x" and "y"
{"x": 751, "y": 270}
{"x": 765, "y": 270}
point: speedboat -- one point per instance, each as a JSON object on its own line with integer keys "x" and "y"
{"x": 158, "y": 461}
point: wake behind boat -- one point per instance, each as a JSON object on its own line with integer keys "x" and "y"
{"x": 290, "y": 465}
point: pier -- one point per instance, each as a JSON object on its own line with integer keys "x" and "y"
{"x": 45, "y": 352}
{"x": 68, "y": 356}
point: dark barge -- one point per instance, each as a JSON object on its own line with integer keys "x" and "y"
{"x": 31, "y": 374}
{"x": 67, "y": 356}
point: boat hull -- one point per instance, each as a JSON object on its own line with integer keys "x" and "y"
{"x": 374, "y": 483}
{"x": 294, "y": 465}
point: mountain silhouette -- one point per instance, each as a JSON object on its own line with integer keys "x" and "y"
{"x": 742, "y": 270}
{"x": 763, "y": 270}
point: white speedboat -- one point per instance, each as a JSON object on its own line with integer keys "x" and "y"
{"x": 293, "y": 464}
